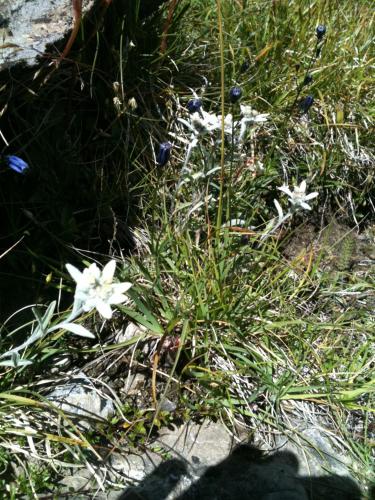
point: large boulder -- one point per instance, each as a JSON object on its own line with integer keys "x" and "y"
{"x": 26, "y": 28}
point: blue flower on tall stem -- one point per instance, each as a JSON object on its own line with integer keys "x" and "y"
{"x": 16, "y": 164}
{"x": 320, "y": 31}
{"x": 164, "y": 153}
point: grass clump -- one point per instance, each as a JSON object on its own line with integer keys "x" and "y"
{"x": 249, "y": 310}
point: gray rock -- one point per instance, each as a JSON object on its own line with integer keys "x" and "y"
{"x": 130, "y": 466}
{"x": 28, "y": 27}
{"x": 159, "y": 483}
{"x": 111, "y": 495}
{"x": 167, "y": 405}
{"x": 80, "y": 481}
{"x": 316, "y": 452}
{"x": 81, "y": 398}
{"x": 206, "y": 467}
{"x": 205, "y": 464}
{"x": 199, "y": 444}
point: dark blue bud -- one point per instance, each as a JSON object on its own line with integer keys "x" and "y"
{"x": 16, "y": 164}
{"x": 194, "y": 105}
{"x": 245, "y": 66}
{"x": 234, "y": 94}
{"x": 306, "y": 103}
{"x": 320, "y": 31}
{"x": 164, "y": 153}
{"x": 308, "y": 79}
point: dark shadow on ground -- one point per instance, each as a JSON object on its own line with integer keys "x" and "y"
{"x": 247, "y": 473}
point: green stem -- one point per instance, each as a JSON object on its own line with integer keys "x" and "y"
{"x": 229, "y": 215}
{"x": 222, "y": 150}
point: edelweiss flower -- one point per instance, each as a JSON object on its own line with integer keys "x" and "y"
{"x": 95, "y": 289}
{"x": 249, "y": 117}
{"x": 209, "y": 122}
{"x": 298, "y": 196}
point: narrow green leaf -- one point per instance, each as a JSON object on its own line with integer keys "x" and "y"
{"x": 148, "y": 321}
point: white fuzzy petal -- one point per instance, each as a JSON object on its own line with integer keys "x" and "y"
{"x": 117, "y": 298}
{"x": 305, "y": 205}
{"x": 121, "y": 287}
{"x": 103, "y": 308}
{"x": 74, "y": 272}
{"x": 285, "y": 190}
{"x": 109, "y": 271}
{"x": 311, "y": 196}
{"x": 91, "y": 273}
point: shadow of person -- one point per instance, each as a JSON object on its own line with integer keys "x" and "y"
{"x": 246, "y": 474}
{"x": 159, "y": 483}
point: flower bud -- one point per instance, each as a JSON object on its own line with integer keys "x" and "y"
{"x": 306, "y": 103}
{"x": 320, "y": 31}
{"x": 194, "y": 105}
{"x": 235, "y": 94}
{"x": 16, "y": 164}
{"x": 245, "y": 66}
{"x": 164, "y": 153}
{"x": 132, "y": 103}
{"x": 308, "y": 79}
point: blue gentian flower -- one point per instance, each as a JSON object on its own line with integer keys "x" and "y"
{"x": 306, "y": 103}
{"x": 194, "y": 105}
{"x": 16, "y": 164}
{"x": 320, "y": 31}
{"x": 234, "y": 94}
{"x": 164, "y": 153}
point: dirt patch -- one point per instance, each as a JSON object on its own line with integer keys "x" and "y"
{"x": 335, "y": 247}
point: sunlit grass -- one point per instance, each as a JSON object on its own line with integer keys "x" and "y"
{"x": 261, "y": 334}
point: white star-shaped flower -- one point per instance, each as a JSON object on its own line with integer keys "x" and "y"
{"x": 298, "y": 196}
{"x": 209, "y": 122}
{"x": 95, "y": 289}
{"x": 249, "y": 117}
